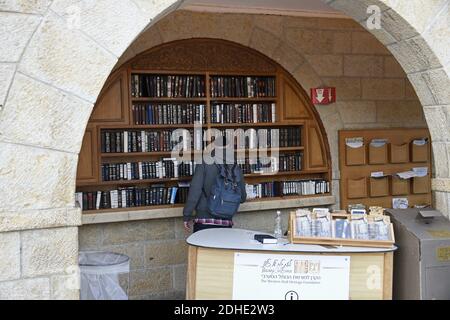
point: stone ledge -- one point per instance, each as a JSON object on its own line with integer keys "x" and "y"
{"x": 39, "y": 219}
{"x": 118, "y": 216}
{"x": 440, "y": 184}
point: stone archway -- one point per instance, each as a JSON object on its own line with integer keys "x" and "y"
{"x": 55, "y": 60}
{"x": 417, "y": 33}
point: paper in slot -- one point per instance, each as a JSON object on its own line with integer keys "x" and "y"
{"x": 377, "y": 143}
{"x": 420, "y": 171}
{"x": 400, "y": 203}
{"x": 378, "y": 174}
{"x": 420, "y": 142}
{"x": 378, "y": 151}
{"x": 355, "y": 153}
{"x": 354, "y": 143}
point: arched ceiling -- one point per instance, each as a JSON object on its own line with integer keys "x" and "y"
{"x": 280, "y": 7}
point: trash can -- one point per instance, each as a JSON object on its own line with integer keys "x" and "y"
{"x": 104, "y": 275}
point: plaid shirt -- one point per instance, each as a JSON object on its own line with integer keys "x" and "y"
{"x": 219, "y": 222}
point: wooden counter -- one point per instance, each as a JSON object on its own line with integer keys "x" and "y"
{"x": 212, "y": 253}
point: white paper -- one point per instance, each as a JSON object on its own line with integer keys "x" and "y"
{"x": 290, "y": 277}
{"x": 400, "y": 203}
{"x": 420, "y": 171}
{"x": 357, "y": 142}
{"x": 406, "y": 175}
{"x": 378, "y": 142}
{"x": 420, "y": 142}
{"x": 377, "y": 174}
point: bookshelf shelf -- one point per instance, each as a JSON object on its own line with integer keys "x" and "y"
{"x": 143, "y": 181}
{"x": 278, "y": 174}
{"x": 140, "y": 154}
{"x": 256, "y": 125}
{"x": 168, "y": 153}
{"x": 243, "y": 99}
{"x": 285, "y": 149}
{"x": 173, "y": 206}
{"x": 149, "y": 126}
{"x": 274, "y": 92}
{"x": 188, "y": 178}
{"x": 134, "y": 208}
{"x": 171, "y": 99}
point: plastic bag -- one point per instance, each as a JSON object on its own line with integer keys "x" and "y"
{"x": 100, "y": 273}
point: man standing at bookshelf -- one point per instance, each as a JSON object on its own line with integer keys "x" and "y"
{"x": 205, "y": 179}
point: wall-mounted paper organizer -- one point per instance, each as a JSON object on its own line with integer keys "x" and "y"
{"x": 378, "y": 151}
{"x": 399, "y": 187}
{"x": 386, "y": 152}
{"x": 379, "y": 187}
{"x": 421, "y": 185}
{"x": 399, "y": 153}
{"x": 420, "y": 150}
{"x": 355, "y": 152}
{"x": 357, "y": 188}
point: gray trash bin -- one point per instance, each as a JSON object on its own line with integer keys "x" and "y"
{"x": 104, "y": 275}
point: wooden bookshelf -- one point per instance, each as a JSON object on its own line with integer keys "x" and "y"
{"x": 113, "y": 111}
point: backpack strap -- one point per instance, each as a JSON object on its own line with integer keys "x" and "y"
{"x": 203, "y": 185}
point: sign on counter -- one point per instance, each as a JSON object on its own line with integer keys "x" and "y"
{"x": 290, "y": 277}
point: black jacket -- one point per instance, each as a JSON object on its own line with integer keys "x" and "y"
{"x": 205, "y": 177}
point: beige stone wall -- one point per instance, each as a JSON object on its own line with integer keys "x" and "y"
{"x": 54, "y": 58}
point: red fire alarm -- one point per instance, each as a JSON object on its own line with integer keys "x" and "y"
{"x": 323, "y": 95}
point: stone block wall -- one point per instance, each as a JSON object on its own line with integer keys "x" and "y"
{"x": 158, "y": 250}
{"x": 39, "y": 264}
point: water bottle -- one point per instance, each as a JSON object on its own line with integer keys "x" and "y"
{"x": 278, "y": 233}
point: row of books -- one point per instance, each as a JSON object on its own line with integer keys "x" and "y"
{"x": 165, "y": 168}
{"x": 305, "y": 187}
{"x": 131, "y": 197}
{"x": 242, "y": 86}
{"x": 168, "y": 113}
{"x": 161, "y": 195}
{"x": 167, "y": 86}
{"x": 262, "y": 190}
{"x": 243, "y": 113}
{"x": 286, "y": 188}
{"x": 263, "y": 138}
{"x": 282, "y": 163}
{"x": 117, "y": 141}
{"x": 289, "y": 162}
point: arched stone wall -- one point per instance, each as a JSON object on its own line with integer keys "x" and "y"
{"x": 54, "y": 60}
{"x": 316, "y": 51}
{"x": 417, "y": 32}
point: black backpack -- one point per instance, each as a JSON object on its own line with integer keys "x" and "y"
{"x": 225, "y": 197}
